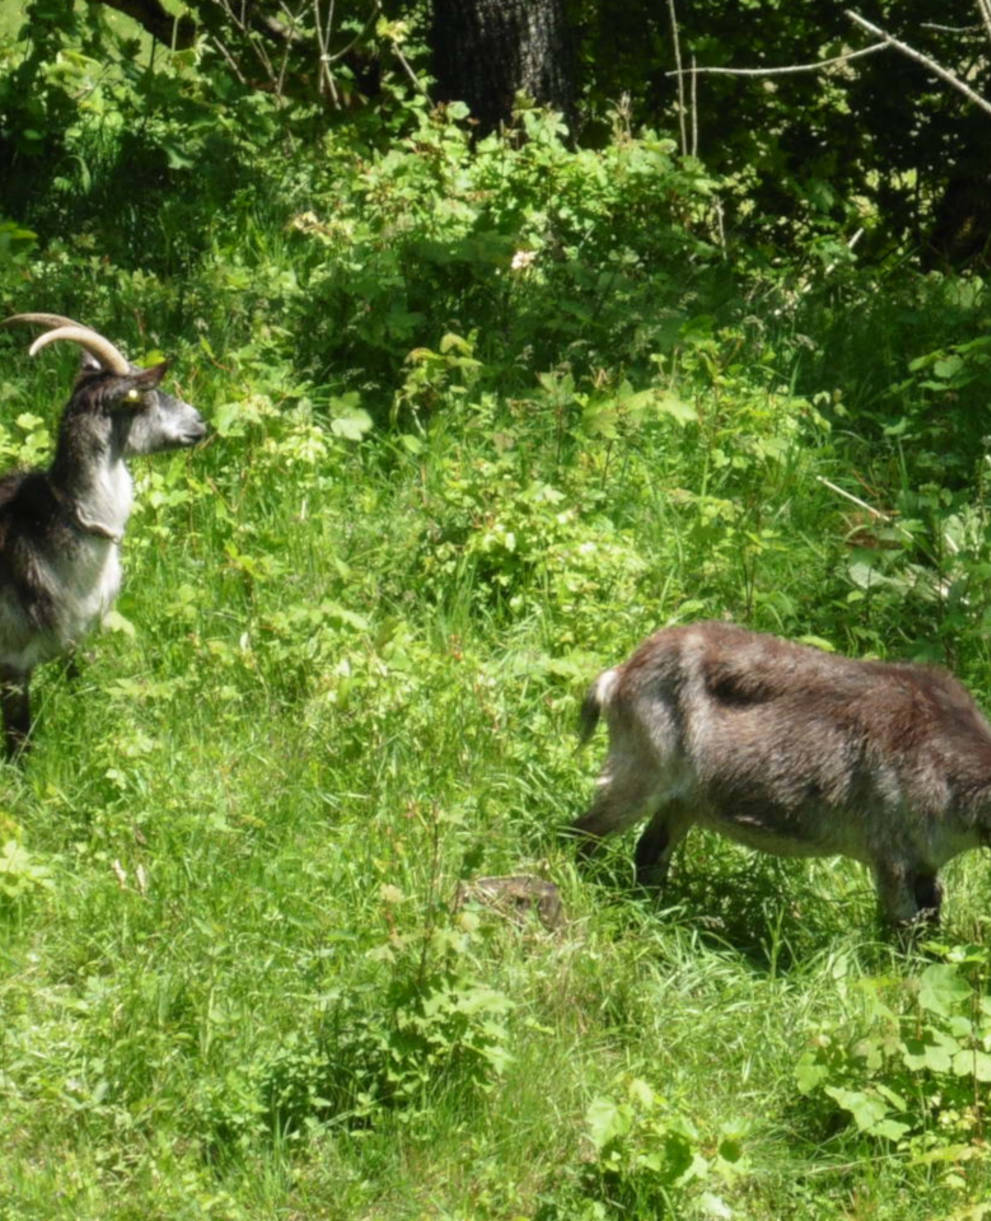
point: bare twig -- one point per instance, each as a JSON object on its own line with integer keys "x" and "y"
{"x": 325, "y": 78}
{"x": 681, "y": 78}
{"x": 926, "y": 61}
{"x": 816, "y": 67}
{"x": 241, "y": 79}
{"x": 293, "y": 20}
{"x": 984, "y": 8}
{"x": 861, "y": 504}
{"x": 405, "y": 65}
{"x": 695, "y": 110}
{"x": 948, "y": 29}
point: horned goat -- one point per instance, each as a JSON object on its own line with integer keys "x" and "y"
{"x": 795, "y": 751}
{"x": 61, "y": 528}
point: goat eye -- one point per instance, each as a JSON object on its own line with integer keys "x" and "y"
{"x": 132, "y": 396}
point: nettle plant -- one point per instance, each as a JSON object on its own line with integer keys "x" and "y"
{"x": 420, "y": 1023}
{"x": 912, "y": 1073}
{"x": 520, "y": 544}
{"x": 644, "y": 1149}
{"x": 544, "y": 252}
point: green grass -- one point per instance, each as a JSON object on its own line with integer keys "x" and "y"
{"x": 249, "y": 819}
{"x": 345, "y": 675}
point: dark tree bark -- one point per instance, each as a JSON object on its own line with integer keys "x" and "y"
{"x": 486, "y": 51}
{"x": 961, "y": 232}
{"x": 179, "y": 32}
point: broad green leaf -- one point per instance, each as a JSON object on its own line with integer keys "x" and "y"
{"x": 809, "y": 1072}
{"x": 114, "y": 621}
{"x": 947, "y": 367}
{"x": 605, "y": 1120}
{"x": 969, "y": 1062}
{"x": 352, "y": 426}
{"x": 935, "y": 1052}
{"x": 941, "y": 988}
{"x": 867, "y": 1110}
{"x": 683, "y": 413}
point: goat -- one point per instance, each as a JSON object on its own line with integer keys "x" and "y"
{"x": 795, "y": 751}
{"x": 61, "y": 528}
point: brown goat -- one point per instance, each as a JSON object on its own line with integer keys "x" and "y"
{"x": 795, "y": 751}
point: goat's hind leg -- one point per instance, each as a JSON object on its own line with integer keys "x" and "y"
{"x": 928, "y": 898}
{"x": 15, "y": 705}
{"x": 624, "y": 795}
{"x": 910, "y": 897}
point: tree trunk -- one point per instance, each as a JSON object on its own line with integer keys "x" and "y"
{"x": 961, "y": 232}
{"x": 487, "y": 51}
{"x": 162, "y": 25}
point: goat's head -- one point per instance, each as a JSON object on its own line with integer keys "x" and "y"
{"x": 139, "y": 417}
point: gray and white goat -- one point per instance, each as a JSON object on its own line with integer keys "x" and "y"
{"x": 61, "y": 528}
{"x": 795, "y": 751}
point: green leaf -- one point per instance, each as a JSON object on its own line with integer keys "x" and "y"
{"x": 970, "y": 1062}
{"x": 890, "y": 1129}
{"x": 605, "y": 1120}
{"x": 947, "y": 1153}
{"x": 864, "y": 575}
{"x": 935, "y": 1053}
{"x": 809, "y": 1072}
{"x": 867, "y": 1110}
{"x": 818, "y": 642}
{"x": 353, "y": 425}
{"x": 114, "y": 621}
{"x": 677, "y": 410}
{"x": 948, "y": 367}
{"x": 941, "y": 989}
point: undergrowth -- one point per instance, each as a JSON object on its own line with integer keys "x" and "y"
{"x": 481, "y": 420}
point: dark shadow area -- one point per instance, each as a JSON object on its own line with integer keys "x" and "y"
{"x": 772, "y": 911}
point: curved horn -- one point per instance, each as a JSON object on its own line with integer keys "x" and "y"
{"x": 49, "y": 320}
{"x": 102, "y": 349}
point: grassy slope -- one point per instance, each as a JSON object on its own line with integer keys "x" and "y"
{"x": 233, "y": 982}
{"x": 252, "y": 832}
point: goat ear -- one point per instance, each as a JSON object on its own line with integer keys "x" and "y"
{"x": 148, "y": 379}
{"x": 88, "y": 362}
{"x": 131, "y": 387}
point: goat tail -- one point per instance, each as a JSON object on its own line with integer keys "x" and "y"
{"x": 596, "y": 699}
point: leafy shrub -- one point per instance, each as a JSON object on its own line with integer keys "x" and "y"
{"x": 911, "y": 1072}
{"x": 380, "y": 1051}
{"x": 543, "y": 254}
{"x": 649, "y": 1159}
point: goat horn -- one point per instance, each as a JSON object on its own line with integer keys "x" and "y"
{"x": 95, "y": 344}
{"x": 49, "y": 320}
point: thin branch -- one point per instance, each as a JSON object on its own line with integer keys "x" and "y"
{"x": 681, "y": 78}
{"x": 245, "y": 28}
{"x": 405, "y": 65}
{"x": 325, "y": 78}
{"x": 373, "y": 16}
{"x": 816, "y": 67}
{"x": 230, "y": 61}
{"x": 925, "y": 60}
{"x": 293, "y": 20}
{"x": 948, "y": 29}
{"x": 695, "y": 110}
{"x": 984, "y": 8}
{"x": 862, "y": 504}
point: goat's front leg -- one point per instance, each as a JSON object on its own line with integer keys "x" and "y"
{"x": 15, "y": 706}
{"x": 663, "y": 833}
